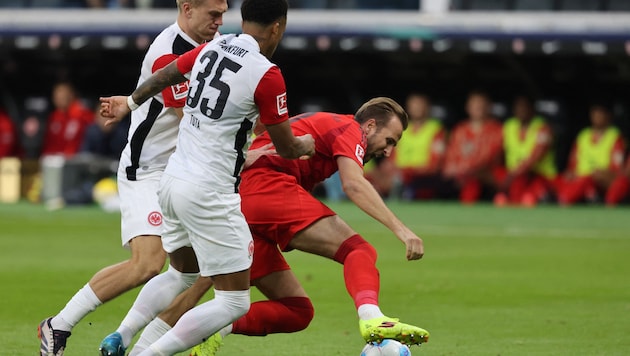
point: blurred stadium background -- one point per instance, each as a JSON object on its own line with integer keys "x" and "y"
{"x": 338, "y": 53}
{"x": 545, "y": 281}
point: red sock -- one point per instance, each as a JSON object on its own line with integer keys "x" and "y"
{"x": 285, "y": 315}
{"x": 359, "y": 270}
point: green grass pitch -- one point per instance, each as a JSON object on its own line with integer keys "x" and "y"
{"x": 543, "y": 281}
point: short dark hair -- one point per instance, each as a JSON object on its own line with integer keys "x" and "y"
{"x": 381, "y": 109}
{"x": 264, "y": 12}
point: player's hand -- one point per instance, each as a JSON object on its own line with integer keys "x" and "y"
{"x": 114, "y": 108}
{"x": 259, "y": 129}
{"x": 254, "y": 154}
{"x": 308, "y": 144}
{"x": 414, "y": 245}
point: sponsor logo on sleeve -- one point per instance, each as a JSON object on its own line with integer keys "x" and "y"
{"x": 359, "y": 152}
{"x": 180, "y": 90}
{"x": 281, "y": 103}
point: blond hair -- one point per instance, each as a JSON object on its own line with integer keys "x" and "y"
{"x": 381, "y": 109}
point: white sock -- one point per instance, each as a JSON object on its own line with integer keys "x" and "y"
{"x": 154, "y": 331}
{"x": 226, "y": 331}
{"x": 369, "y": 311}
{"x": 201, "y": 322}
{"x": 154, "y": 297}
{"x": 81, "y": 304}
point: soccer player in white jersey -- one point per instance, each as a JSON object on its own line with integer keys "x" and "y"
{"x": 151, "y": 140}
{"x": 233, "y": 85}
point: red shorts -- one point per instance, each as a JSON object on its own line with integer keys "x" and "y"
{"x": 276, "y": 208}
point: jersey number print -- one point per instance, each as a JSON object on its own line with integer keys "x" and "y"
{"x": 224, "y": 89}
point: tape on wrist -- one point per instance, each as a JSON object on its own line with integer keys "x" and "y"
{"x": 132, "y": 104}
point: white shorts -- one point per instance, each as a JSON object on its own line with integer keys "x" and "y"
{"x": 139, "y": 207}
{"x": 209, "y": 221}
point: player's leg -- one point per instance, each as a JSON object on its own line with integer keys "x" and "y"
{"x": 331, "y": 237}
{"x": 204, "y": 320}
{"x": 288, "y": 308}
{"x": 470, "y": 191}
{"x": 155, "y": 296}
{"x": 617, "y": 190}
{"x": 141, "y": 227}
{"x": 222, "y": 242}
{"x": 571, "y": 191}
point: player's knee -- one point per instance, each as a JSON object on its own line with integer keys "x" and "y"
{"x": 355, "y": 244}
{"x": 236, "y": 303}
{"x": 302, "y": 311}
{"x": 148, "y": 269}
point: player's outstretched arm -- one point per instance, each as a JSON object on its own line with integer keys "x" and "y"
{"x": 116, "y": 107}
{"x": 361, "y": 192}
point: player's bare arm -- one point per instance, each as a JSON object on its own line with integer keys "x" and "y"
{"x": 289, "y": 146}
{"x": 255, "y": 153}
{"x": 117, "y": 107}
{"x": 361, "y": 192}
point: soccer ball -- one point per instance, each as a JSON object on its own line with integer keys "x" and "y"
{"x": 387, "y": 347}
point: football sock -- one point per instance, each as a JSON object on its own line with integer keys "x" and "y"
{"x": 359, "y": 270}
{"x": 369, "y": 311}
{"x": 81, "y": 304}
{"x": 227, "y": 330}
{"x": 154, "y": 297}
{"x": 285, "y": 315}
{"x": 201, "y": 322}
{"x": 152, "y": 333}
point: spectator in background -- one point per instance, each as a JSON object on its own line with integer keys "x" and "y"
{"x": 8, "y": 136}
{"x": 97, "y": 159}
{"x": 105, "y": 141}
{"x": 474, "y": 150}
{"x": 67, "y": 123}
{"x": 595, "y": 160}
{"x": 419, "y": 155}
{"x": 530, "y": 173}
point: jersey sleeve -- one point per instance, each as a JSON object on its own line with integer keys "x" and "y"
{"x": 271, "y": 97}
{"x": 186, "y": 61}
{"x": 175, "y": 95}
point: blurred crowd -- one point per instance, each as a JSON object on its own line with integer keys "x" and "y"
{"x": 161, "y": 4}
{"x": 94, "y": 4}
{"x": 507, "y": 161}
{"x": 65, "y": 150}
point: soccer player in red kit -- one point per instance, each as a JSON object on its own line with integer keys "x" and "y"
{"x": 233, "y": 86}
{"x": 595, "y": 160}
{"x": 474, "y": 150}
{"x": 282, "y": 213}
{"x": 67, "y": 123}
{"x": 530, "y": 173}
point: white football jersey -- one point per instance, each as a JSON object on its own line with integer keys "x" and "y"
{"x": 153, "y": 130}
{"x": 231, "y": 85}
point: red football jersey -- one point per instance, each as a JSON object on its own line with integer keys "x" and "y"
{"x": 335, "y": 135}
